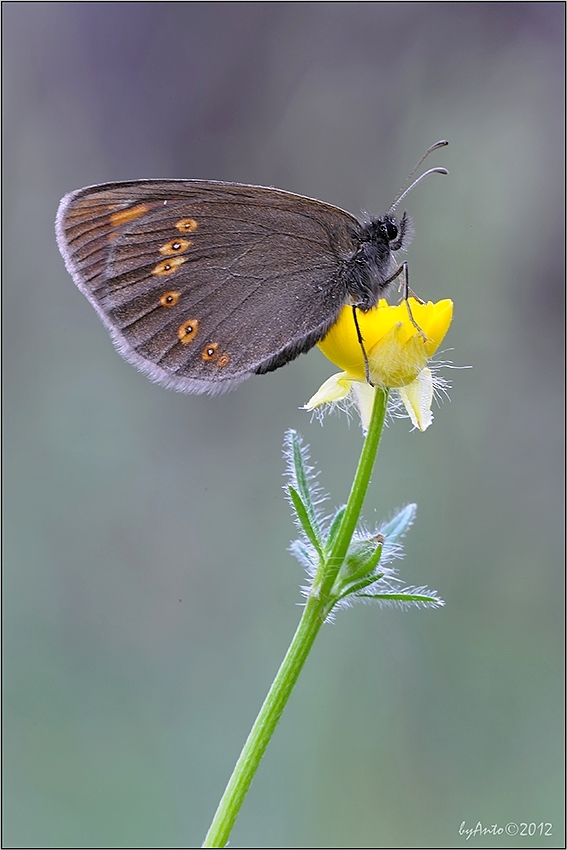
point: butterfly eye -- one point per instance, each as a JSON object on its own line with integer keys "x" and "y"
{"x": 391, "y": 229}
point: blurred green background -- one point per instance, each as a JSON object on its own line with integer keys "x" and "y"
{"x": 148, "y": 593}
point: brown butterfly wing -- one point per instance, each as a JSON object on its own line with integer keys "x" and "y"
{"x": 201, "y": 284}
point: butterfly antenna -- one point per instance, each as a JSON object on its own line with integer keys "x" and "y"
{"x": 407, "y": 188}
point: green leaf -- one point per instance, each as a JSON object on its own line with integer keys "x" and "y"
{"x": 304, "y": 518}
{"x": 405, "y": 598}
{"x": 359, "y": 585}
{"x": 302, "y": 483}
{"x": 306, "y": 554}
{"x": 334, "y": 528}
{"x": 399, "y": 524}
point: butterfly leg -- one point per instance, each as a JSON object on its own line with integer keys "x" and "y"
{"x": 413, "y": 295}
{"x": 404, "y": 285}
{"x": 403, "y": 269}
{"x": 361, "y": 343}
{"x": 404, "y": 288}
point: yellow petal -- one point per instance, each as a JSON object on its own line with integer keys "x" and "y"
{"x": 364, "y": 395}
{"x": 397, "y": 351}
{"x": 417, "y": 398}
{"x": 334, "y": 389}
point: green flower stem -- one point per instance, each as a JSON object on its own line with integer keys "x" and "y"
{"x": 314, "y": 614}
{"x": 265, "y": 724}
{"x": 359, "y": 487}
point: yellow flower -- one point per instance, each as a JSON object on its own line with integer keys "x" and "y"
{"x": 397, "y": 353}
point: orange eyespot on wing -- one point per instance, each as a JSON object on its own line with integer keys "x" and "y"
{"x": 209, "y": 352}
{"x": 186, "y": 225}
{"x": 188, "y": 331}
{"x": 169, "y": 299}
{"x": 168, "y": 266}
{"x": 174, "y": 246}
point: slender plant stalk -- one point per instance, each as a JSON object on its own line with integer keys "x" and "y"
{"x": 357, "y": 493}
{"x": 314, "y": 614}
{"x": 264, "y": 726}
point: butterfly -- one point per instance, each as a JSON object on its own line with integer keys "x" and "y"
{"x": 203, "y": 283}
